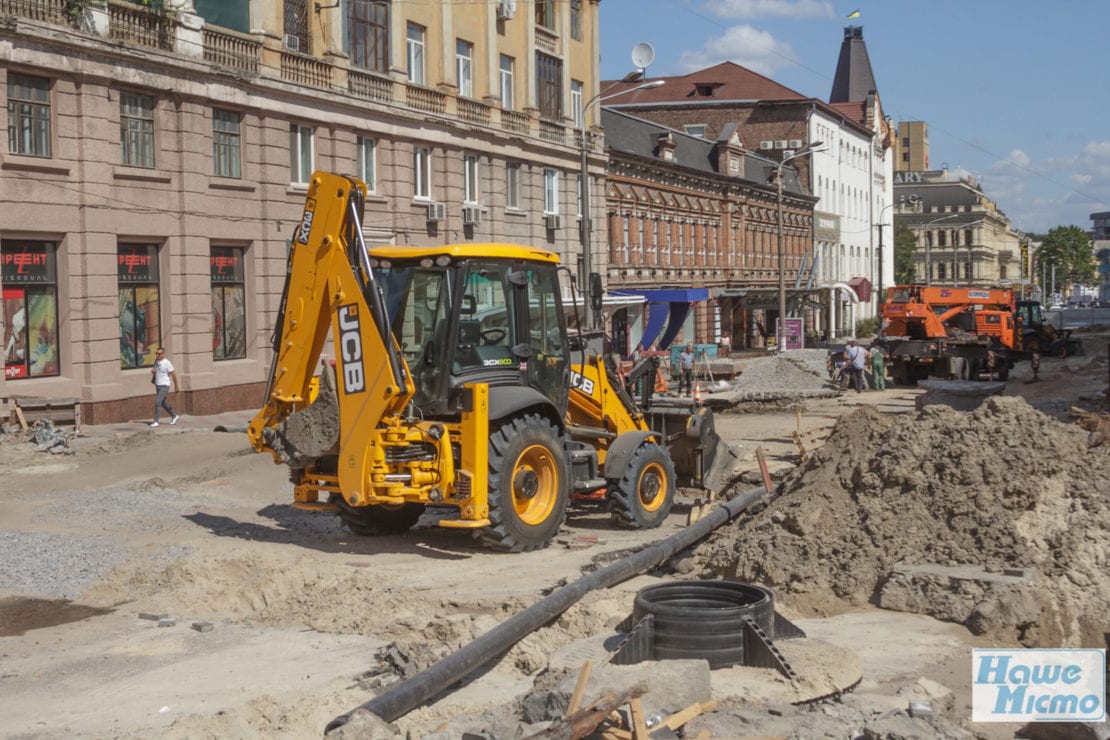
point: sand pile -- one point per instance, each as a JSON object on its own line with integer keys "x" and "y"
{"x": 780, "y": 377}
{"x": 1001, "y": 487}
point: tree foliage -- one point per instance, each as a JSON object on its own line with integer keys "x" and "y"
{"x": 1069, "y": 249}
{"x": 905, "y": 244}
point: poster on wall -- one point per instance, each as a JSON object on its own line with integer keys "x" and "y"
{"x": 795, "y": 333}
{"x": 42, "y": 335}
{"x": 15, "y": 333}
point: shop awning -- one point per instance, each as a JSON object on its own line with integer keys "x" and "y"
{"x": 862, "y": 288}
{"x": 669, "y": 307}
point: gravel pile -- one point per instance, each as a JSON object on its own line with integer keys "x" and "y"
{"x": 794, "y": 374}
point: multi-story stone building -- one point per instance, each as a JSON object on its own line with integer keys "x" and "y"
{"x": 962, "y": 236}
{"x": 157, "y": 162}
{"x": 851, "y": 175}
{"x": 693, "y": 234}
{"x": 911, "y": 147}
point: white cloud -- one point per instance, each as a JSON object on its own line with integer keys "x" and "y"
{"x": 768, "y": 8}
{"x": 1097, "y": 149}
{"x": 749, "y": 47}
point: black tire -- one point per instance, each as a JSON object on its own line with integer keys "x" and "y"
{"x": 527, "y": 484}
{"x": 376, "y": 521}
{"x": 1003, "y": 370}
{"x": 1031, "y": 344}
{"x": 902, "y": 372}
{"x": 704, "y": 619}
{"x": 642, "y": 497}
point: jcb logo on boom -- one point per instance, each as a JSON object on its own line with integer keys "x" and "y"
{"x": 350, "y": 349}
{"x": 306, "y": 220}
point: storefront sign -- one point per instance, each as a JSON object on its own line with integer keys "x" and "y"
{"x": 27, "y": 263}
{"x": 138, "y": 263}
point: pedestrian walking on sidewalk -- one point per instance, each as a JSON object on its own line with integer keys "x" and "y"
{"x": 878, "y": 368}
{"x": 161, "y": 375}
{"x": 686, "y": 366}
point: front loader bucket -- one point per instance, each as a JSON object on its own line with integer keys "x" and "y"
{"x": 701, "y": 458}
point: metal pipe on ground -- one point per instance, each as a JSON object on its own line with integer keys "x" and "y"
{"x": 414, "y": 691}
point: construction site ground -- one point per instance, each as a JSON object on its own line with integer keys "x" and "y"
{"x": 156, "y": 582}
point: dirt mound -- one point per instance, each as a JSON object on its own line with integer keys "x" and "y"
{"x": 1001, "y": 487}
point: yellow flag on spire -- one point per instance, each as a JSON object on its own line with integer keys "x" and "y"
{"x": 854, "y": 14}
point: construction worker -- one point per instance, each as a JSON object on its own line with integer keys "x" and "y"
{"x": 857, "y": 359}
{"x": 878, "y": 368}
{"x": 686, "y": 368}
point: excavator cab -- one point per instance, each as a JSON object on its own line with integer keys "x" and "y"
{"x": 468, "y": 317}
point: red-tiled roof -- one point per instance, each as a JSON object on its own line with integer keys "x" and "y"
{"x": 856, "y": 111}
{"x": 725, "y": 81}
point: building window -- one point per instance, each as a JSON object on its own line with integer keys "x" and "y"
{"x": 225, "y": 143}
{"x": 300, "y": 154}
{"x": 415, "y": 49}
{"x": 366, "y": 153}
{"x": 464, "y": 71}
{"x": 576, "y": 19}
{"x": 470, "y": 178}
{"x": 368, "y": 34}
{"x": 549, "y": 85}
{"x": 942, "y": 271}
{"x": 576, "y": 104}
{"x": 28, "y": 281}
{"x": 512, "y": 185}
{"x": 967, "y": 237}
{"x": 422, "y": 172}
{"x": 545, "y": 14}
{"x": 295, "y": 25}
{"x": 229, "y": 312}
{"x": 28, "y": 115}
{"x": 697, "y": 130}
{"x": 550, "y": 191}
{"x": 136, "y": 128}
{"x": 140, "y": 310}
{"x": 507, "y": 97}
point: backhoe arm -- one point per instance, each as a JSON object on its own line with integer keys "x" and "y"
{"x": 329, "y": 284}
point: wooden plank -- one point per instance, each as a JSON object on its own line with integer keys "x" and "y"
{"x": 20, "y": 418}
{"x": 639, "y": 725}
{"x": 579, "y": 687}
{"x": 768, "y": 485}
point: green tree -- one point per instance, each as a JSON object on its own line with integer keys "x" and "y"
{"x": 905, "y": 244}
{"x": 1068, "y": 248}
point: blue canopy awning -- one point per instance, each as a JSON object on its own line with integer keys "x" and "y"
{"x": 666, "y": 305}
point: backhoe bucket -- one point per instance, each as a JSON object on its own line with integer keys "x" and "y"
{"x": 311, "y": 433}
{"x": 701, "y": 458}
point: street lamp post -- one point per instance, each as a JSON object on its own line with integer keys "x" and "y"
{"x": 902, "y": 200}
{"x": 593, "y": 316}
{"x": 780, "y": 335}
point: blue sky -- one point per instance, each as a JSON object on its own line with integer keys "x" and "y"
{"x": 1015, "y": 93}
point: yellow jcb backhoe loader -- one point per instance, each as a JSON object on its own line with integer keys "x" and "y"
{"x": 453, "y": 385}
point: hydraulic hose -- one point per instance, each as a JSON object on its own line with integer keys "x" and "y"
{"x": 412, "y": 692}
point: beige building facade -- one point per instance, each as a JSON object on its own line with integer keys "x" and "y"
{"x": 911, "y": 147}
{"x": 963, "y": 238}
{"x": 156, "y": 166}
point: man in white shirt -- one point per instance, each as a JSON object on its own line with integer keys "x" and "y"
{"x": 161, "y": 375}
{"x": 857, "y": 360}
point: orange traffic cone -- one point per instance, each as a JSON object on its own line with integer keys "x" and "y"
{"x": 660, "y": 382}
{"x": 697, "y": 393}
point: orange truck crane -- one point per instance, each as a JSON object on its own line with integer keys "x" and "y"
{"x": 950, "y": 332}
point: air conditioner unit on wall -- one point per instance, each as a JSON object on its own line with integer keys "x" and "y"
{"x": 554, "y": 221}
{"x": 436, "y": 212}
{"x": 292, "y": 43}
{"x": 795, "y": 143}
{"x": 766, "y": 144}
{"x": 472, "y": 215}
{"x": 781, "y": 143}
{"x": 506, "y": 9}
{"x": 787, "y": 153}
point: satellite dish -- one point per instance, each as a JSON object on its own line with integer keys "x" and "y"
{"x": 643, "y": 55}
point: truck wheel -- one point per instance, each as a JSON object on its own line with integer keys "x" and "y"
{"x": 382, "y": 519}
{"x": 642, "y": 497}
{"x": 527, "y": 485}
{"x": 1031, "y": 345}
{"x": 902, "y": 372}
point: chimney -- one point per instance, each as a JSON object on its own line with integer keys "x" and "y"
{"x": 665, "y": 150}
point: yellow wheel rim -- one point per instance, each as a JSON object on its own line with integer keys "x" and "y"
{"x": 535, "y": 485}
{"x": 652, "y": 487}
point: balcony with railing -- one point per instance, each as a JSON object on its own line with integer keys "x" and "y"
{"x": 370, "y": 86}
{"x": 473, "y": 111}
{"x": 139, "y": 26}
{"x": 305, "y": 70}
{"x": 425, "y": 99}
{"x": 556, "y": 133}
{"x": 48, "y": 11}
{"x": 226, "y": 48}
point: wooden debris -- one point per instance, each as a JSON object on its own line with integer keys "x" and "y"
{"x": 580, "y": 687}
{"x": 768, "y": 484}
{"x": 678, "y": 719}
